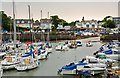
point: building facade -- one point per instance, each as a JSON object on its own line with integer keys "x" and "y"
{"x": 89, "y": 25}
{"x": 24, "y": 23}
{"x": 117, "y": 21}
{"x": 45, "y": 24}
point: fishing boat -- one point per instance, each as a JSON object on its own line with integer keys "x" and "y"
{"x": 28, "y": 61}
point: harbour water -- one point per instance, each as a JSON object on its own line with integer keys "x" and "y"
{"x": 57, "y": 59}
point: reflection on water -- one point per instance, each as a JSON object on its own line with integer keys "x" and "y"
{"x": 56, "y": 60}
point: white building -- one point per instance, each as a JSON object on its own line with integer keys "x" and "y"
{"x": 117, "y": 21}
{"x": 60, "y": 27}
{"x": 46, "y": 24}
{"x": 88, "y": 25}
{"x": 24, "y": 23}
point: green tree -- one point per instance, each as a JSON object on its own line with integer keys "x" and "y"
{"x": 72, "y": 23}
{"x": 108, "y": 23}
{"x": 55, "y": 21}
{"x": 6, "y": 21}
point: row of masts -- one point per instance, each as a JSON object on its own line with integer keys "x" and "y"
{"x": 47, "y": 14}
{"x": 14, "y": 24}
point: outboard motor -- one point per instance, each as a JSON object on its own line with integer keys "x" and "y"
{"x": 95, "y": 53}
{"x": 59, "y": 71}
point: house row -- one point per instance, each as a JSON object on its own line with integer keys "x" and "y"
{"x": 89, "y": 25}
{"x": 84, "y": 25}
{"x": 26, "y": 23}
{"x": 47, "y": 24}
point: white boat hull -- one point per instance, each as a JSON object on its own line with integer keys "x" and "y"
{"x": 49, "y": 50}
{"x": 93, "y": 70}
{"x": 8, "y": 67}
{"x": 114, "y": 56}
{"x": 68, "y": 72}
{"x": 79, "y": 44}
{"x": 89, "y": 45}
{"x": 42, "y": 56}
{"x": 62, "y": 48}
{"x": 26, "y": 67}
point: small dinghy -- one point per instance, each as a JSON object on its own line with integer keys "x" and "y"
{"x": 89, "y": 44}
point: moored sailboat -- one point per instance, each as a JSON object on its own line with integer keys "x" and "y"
{"x": 28, "y": 61}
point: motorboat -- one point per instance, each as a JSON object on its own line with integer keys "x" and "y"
{"x": 89, "y": 44}
{"x": 103, "y": 58}
{"x": 48, "y": 47}
{"x": 9, "y": 62}
{"x": 42, "y": 54}
{"x": 92, "y": 70}
{"x": 73, "y": 44}
{"x": 93, "y": 62}
{"x": 112, "y": 54}
{"x": 70, "y": 69}
{"x": 61, "y": 47}
{"x": 75, "y": 68}
{"x": 79, "y": 43}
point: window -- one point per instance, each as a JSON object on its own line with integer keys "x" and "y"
{"x": 92, "y": 60}
{"x": 87, "y": 26}
{"x": 28, "y": 22}
{"x": 22, "y": 22}
{"x": 18, "y": 22}
{"x": 93, "y": 26}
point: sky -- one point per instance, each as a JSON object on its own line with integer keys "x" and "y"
{"x": 67, "y": 10}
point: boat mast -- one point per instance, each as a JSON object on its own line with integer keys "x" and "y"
{"x": 14, "y": 24}
{"x": 0, "y": 32}
{"x": 30, "y": 23}
{"x": 48, "y": 28}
